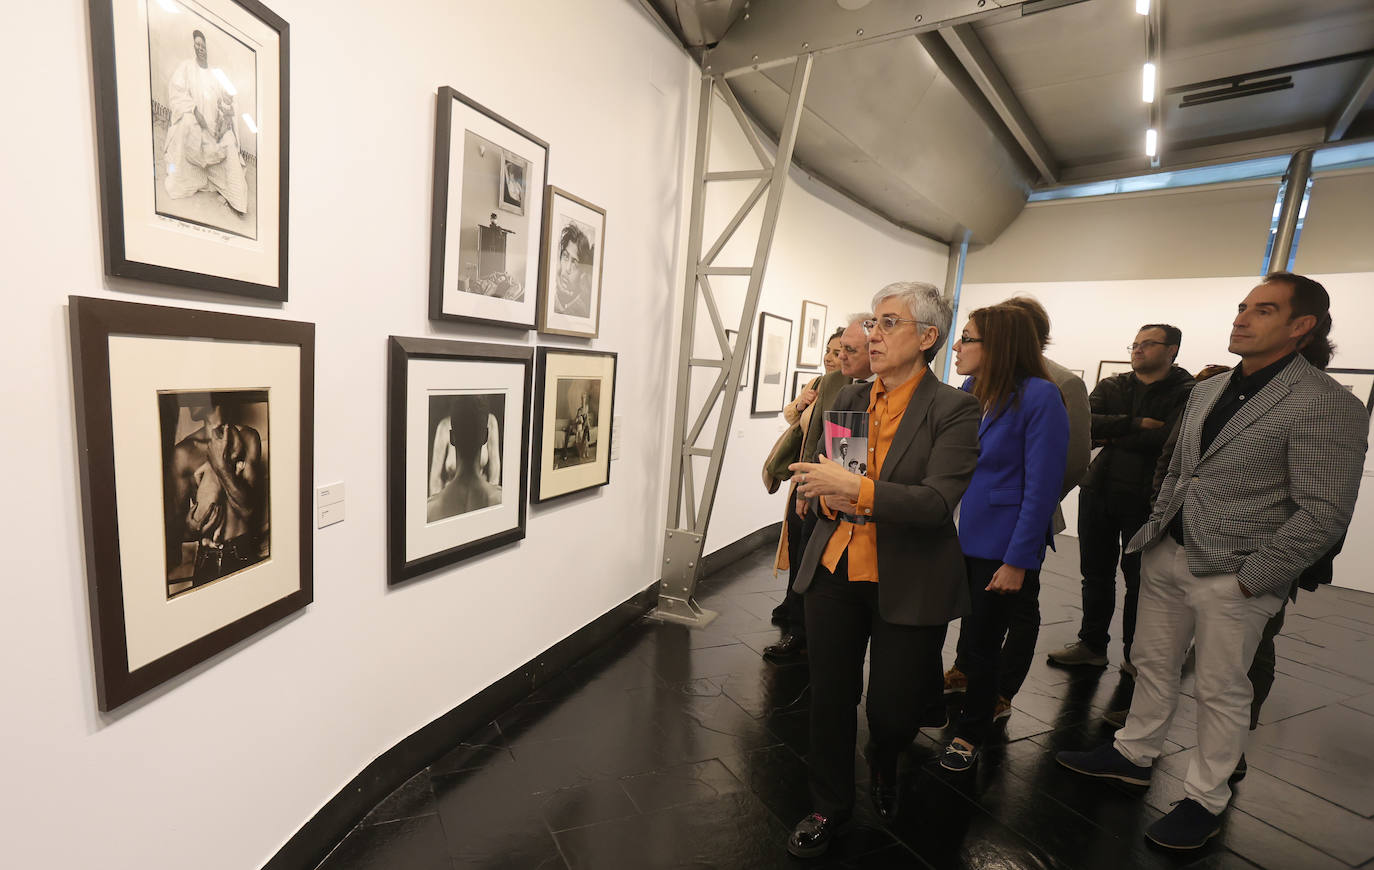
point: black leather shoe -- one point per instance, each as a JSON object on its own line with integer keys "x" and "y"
{"x": 1241, "y": 769}
{"x": 791, "y": 648}
{"x": 780, "y": 615}
{"x": 812, "y": 836}
{"x": 886, "y": 795}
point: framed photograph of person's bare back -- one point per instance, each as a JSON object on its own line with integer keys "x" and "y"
{"x": 196, "y": 436}
{"x": 458, "y": 432}
{"x": 573, "y": 251}
{"x": 192, "y": 126}
{"x": 574, "y": 405}
{"x": 487, "y": 216}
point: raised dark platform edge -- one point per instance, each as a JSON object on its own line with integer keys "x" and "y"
{"x": 313, "y": 842}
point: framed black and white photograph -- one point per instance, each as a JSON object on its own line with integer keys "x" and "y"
{"x": 457, "y": 436}
{"x": 514, "y": 173}
{"x": 800, "y": 380}
{"x": 574, "y": 403}
{"x": 811, "y": 342}
{"x": 488, "y": 216}
{"x": 1360, "y": 382}
{"x": 733, "y": 336}
{"x": 196, "y": 432}
{"x": 573, "y": 251}
{"x": 1077, "y": 373}
{"x": 770, "y": 364}
{"x": 192, "y": 125}
{"x": 1108, "y": 367}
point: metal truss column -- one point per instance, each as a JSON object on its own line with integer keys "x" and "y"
{"x": 685, "y": 536}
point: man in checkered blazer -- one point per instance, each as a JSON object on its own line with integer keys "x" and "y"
{"x": 1262, "y": 483}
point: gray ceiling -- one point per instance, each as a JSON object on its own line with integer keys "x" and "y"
{"x": 942, "y": 131}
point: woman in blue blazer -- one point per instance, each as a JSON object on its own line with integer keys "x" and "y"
{"x": 1006, "y": 515}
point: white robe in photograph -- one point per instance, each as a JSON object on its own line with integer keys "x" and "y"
{"x": 195, "y": 160}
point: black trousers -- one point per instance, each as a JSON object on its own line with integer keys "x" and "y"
{"x": 1262, "y": 667}
{"x": 986, "y": 629}
{"x": 1018, "y": 650}
{"x": 1105, "y": 526}
{"x": 798, "y": 533}
{"x": 905, "y": 674}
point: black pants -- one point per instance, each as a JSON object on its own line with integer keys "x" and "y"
{"x": 904, "y": 674}
{"x": 798, "y": 533}
{"x": 986, "y": 628}
{"x": 1262, "y": 668}
{"x": 1018, "y": 650}
{"x": 1105, "y": 526}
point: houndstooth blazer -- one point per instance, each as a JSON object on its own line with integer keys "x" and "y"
{"x": 1277, "y": 486}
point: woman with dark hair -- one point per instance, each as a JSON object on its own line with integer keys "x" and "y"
{"x": 1006, "y": 515}
{"x": 831, "y": 361}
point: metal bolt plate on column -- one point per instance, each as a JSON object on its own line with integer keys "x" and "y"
{"x": 681, "y": 553}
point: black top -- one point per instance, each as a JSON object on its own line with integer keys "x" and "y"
{"x": 1123, "y": 471}
{"x": 1238, "y": 390}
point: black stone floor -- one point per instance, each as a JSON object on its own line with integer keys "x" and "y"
{"x": 679, "y": 748}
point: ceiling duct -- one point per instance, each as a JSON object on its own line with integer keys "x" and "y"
{"x": 698, "y": 24}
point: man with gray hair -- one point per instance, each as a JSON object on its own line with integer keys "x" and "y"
{"x": 921, "y": 449}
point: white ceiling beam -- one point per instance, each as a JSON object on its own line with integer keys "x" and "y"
{"x": 1352, "y": 106}
{"x": 978, "y": 63}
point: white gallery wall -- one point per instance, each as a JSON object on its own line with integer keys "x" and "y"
{"x": 220, "y": 766}
{"x": 826, "y": 249}
{"x": 1218, "y": 233}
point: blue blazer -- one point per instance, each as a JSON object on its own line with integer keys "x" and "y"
{"x": 1008, "y": 509}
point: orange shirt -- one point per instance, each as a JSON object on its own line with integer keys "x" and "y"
{"x": 885, "y": 410}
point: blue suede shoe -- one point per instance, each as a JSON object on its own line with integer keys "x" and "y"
{"x": 1105, "y": 762}
{"x": 1187, "y": 826}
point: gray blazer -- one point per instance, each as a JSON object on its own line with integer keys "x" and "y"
{"x": 1277, "y": 486}
{"x": 926, "y": 470}
{"x": 1075, "y": 394}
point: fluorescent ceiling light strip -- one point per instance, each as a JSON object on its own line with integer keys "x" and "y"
{"x": 1151, "y": 142}
{"x": 1147, "y": 83}
{"x": 1142, "y": 7}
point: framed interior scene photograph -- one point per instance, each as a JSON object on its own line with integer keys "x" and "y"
{"x": 1360, "y": 382}
{"x": 574, "y": 401}
{"x": 770, "y": 364}
{"x": 196, "y": 436}
{"x": 192, "y": 127}
{"x": 573, "y": 250}
{"x": 458, "y": 432}
{"x": 1108, "y": 367}
{"x": 733, "y": 336}
{"x": 488, "y": 216}
{"x": 811, "y": 342}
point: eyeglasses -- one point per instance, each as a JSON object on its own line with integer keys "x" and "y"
{"x": 965, "y": 339}
{"x": 852, "y": 351}
{"x": 887, "y": 323}
{"x": 1143, "y": 345}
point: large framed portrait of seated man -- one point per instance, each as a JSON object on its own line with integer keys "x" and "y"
{"x": 457, "y": 436}
{"x": 192, "y": 126}
{"x": 574, "y": 407}
{"x": 487, "y": 215}
{"x": 574, "y": 249}
{"x": 196, "y": 433}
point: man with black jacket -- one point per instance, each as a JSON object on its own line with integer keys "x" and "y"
{"x": 1132, "y": 414}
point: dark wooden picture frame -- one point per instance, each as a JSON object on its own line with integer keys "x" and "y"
{"x": 762, "y": 336}
{"x": 401, "y": 352}
{"x": 93, "y": 322}
{"x": 1108, "y": 373}
{"x": 821, "y": 336}
{"x": 1365, "y": 394}
{"x": 119, "y": 260}
{"x": 450, "y": 101}
{"x": 541, "y": 486}
{"x": 550, "y": 259}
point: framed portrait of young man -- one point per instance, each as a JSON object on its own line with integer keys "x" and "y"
{"x": 196, "y": 436}
{"x": 487, "y": 216}
{"x": 192, "y": 128}
{"x": 574, "y": 406}
{"x": 458, "y": 432}
{"x": 573, "y": 251}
